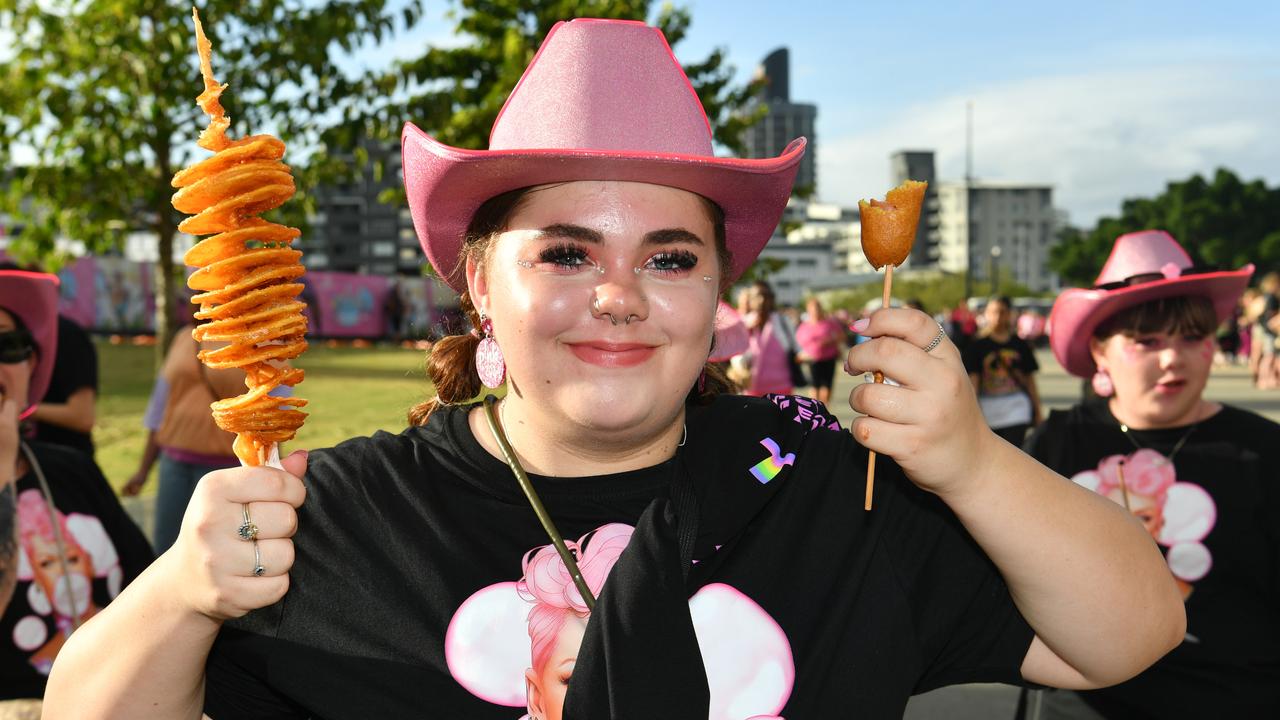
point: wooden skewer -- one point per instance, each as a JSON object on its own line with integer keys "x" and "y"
{"x": 1124, "y": 488}
{"x": 871, "y": 455}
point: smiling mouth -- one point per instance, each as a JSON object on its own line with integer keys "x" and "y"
{"x": 612, "y": 355}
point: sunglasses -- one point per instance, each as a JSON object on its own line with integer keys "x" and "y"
{"x": 16, "y": 346}
{"x": 1143, "y": 278}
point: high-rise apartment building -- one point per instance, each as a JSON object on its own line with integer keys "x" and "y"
{"x": 1004, "y": 228}
{"x": 785, "y": 120}
{"x": 918, "y": 165}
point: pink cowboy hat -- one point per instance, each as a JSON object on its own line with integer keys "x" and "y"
{"x": 32, "y": 298}
{"x": 602, "y": 100}
{"x": 1145, "y": 265}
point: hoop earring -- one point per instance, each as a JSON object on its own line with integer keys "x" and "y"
{"x": 1102, "y": 384}
{"x": 490, "y": 365}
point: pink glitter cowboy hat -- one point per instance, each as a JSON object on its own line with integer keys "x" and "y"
{"x": 32, "y": 298}
{"x": 602, "y": 100}
{"x": 1143, "y": 266}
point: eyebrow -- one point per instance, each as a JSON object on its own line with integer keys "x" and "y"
{"x": 666, "y": 236}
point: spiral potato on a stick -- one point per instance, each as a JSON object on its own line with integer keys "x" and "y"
{"x": 247, "y": 272}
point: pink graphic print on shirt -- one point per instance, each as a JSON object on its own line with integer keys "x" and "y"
{"x": 515, "y": 643}
{"x": 59, "y": 587}
{"x": 1177, "y": 514}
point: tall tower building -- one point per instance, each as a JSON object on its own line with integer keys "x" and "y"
{"x": 785, "y": 120}
{"x": 918, "y": 165}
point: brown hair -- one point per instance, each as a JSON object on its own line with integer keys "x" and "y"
{"x": 451, "y": 362}
{"x": 1179, "y": 315}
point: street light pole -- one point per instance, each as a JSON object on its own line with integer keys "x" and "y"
{"x": 995, "y": 270}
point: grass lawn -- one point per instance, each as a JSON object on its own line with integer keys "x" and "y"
{"x": 353, "y": 391}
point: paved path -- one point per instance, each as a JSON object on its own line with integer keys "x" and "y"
{"x": 1058, "y": 390}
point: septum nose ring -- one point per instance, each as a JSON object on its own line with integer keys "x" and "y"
{"x": 613, "y": 320}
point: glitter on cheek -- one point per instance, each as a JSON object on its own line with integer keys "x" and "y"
{"x": 1206, "y": 348}
{"x": 1131, "y": 351}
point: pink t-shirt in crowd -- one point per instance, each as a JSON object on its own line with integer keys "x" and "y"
{"x": 820, "y": 340}
{"x": 770, "y": 369}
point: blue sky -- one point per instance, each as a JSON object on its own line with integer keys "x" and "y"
{"x": 1104, "y": 100}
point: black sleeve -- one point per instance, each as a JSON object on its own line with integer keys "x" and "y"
{"x": 967, "y": 627}
{"x": 972, "y": 356}
{"x": 76, "y": 365}
{"x": 134, "y": 548}
{"x": 1029, "y": 364}
{"x": 1045, "y": 441}
{"x": 235, "y": 686}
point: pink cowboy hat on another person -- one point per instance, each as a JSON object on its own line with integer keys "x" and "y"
{"x": 601, "y": 100}
{"x": 1143, "y": 266}
{"x": 32, "y": 298}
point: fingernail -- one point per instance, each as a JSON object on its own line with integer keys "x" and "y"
{"x": 861, "y": 325}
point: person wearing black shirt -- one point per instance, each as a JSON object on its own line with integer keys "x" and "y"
{"x": 66, "y": 545}
{"x": 409, "y": 576}
{"x": 1002, "y": 367}
{"x": 68, "y": 411}
{"x": 1199, "y": 475}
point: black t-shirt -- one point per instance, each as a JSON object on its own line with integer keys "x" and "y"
{"x": 75, "y": 367}
{"x": 403, "y": 599}
{"x": 105, "y": 551}
{"x": 1001, "y": 367}
{"x": 1216, "y": 514}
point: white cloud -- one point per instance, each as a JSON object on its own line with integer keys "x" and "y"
{"x": 1098, "y": 137}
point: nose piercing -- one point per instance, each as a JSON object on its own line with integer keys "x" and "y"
{"x": 613, "y": 320}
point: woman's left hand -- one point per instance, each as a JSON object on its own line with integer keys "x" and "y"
{"x": 930, "y": 424}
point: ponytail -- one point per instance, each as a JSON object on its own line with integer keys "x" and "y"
{"x": 451, "y": 365}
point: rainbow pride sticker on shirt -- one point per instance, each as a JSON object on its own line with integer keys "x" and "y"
{"x": 768, "y": 469}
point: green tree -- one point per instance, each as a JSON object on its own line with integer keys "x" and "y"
{"x": 455, "y": 93}
{"x": 935, "y": 291}
{"x": 1225, "y": 222}
{"x": 97, "y": 100}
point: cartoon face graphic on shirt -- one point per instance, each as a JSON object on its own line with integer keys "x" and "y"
{"x": 60, "y": 588}
{"x": 516, "y": 643}
{"x": 996, "y": 377}
{"x": 1177, "y": 514}
{"x": 546, "y": 685}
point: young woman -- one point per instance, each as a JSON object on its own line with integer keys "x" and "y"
{"x": 66, "y": 546}
{"x": 592, "y": 241}
{"x": 1201, "y": 476}
{"x": 1003, "y": 368}
{"x": 820, "y": 340}
{"x": 181, "y": 433}
{"x": 772, "y": 345}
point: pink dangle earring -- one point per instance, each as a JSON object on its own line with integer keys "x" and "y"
{"x": 490, "y": 364}
{"x": 1102, "y": 384}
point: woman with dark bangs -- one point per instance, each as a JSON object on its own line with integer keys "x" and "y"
{"x": 1198, "y": 474}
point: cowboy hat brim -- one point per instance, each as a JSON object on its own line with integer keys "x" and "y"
{"x": 446, "y": 185}
{"x": 33, "y": 298}
{"x": 1078, "y": 312}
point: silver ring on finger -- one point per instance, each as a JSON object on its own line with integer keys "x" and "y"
{"x": 937, "y": 339}
{"x": 248, "y": 530}
{"x": 258, "y": 569}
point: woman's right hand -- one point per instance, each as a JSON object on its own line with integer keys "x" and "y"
{"x": 213, "y": 566}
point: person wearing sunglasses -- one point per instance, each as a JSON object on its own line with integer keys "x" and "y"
{"x": 590, "y": 245}
{"x": 1199, "y": 475}
{"x": 66, "y": 545}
